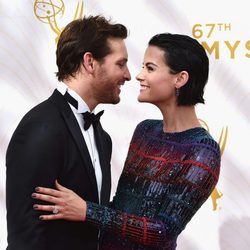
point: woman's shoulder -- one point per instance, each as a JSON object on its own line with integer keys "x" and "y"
{"x": 206, "y": 139}
{"x": 206, "y": 150}
{"x": 197, "y": 141}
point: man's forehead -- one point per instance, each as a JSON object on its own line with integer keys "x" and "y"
{"x": 118, "y": 49}
{"x": 114, "y": 42}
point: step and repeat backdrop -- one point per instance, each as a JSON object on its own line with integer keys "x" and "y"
{"x": 29, "y": 30}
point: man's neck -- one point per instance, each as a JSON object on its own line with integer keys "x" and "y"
{"x": 83, "y": 89}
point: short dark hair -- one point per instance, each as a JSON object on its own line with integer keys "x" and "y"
{"x": 88, "y": 34}
{"x": 182, "y": 52}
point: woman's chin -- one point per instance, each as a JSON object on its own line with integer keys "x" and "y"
{"x": 141, "y": 98}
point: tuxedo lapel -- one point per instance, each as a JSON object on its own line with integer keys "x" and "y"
{"x": 75, "y": 131}
{"x": 104, "y": 162}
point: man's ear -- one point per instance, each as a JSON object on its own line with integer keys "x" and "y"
{"x": 88, "y": 62}
{"x": 182, "y": 79}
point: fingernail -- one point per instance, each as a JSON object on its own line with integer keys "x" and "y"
{"x": 33, "y": 195}
{"x": 35, "y": 206}
{"x": 41, "y": 217}
{"x": 37, "y": 189}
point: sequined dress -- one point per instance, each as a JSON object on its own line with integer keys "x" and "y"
{"x": 166, "y": 178}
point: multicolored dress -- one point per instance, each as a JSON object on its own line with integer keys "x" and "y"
{"x": 165, "y": 180}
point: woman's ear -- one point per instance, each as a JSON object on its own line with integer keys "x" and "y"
{"x": 182, "y": 79}
{"x": 88, "y": 62}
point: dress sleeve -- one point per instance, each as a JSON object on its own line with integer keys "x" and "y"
{"x": 144, "y": 230}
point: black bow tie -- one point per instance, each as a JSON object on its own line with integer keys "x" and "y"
{"x": 89, "y": 118}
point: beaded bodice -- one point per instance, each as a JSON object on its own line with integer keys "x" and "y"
{"x": 166, "y": 178}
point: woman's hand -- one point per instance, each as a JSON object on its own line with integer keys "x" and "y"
{"x": 67, "y": 205}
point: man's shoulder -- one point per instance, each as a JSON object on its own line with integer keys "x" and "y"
{"x": 44, "y": 109}
{"x": 44, "y": 114}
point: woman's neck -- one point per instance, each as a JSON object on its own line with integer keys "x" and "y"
{"x": 179, "y": 118}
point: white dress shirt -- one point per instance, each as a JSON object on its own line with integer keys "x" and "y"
{"x": 87, "y": 134}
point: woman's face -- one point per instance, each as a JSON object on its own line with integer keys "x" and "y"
{"x": 157, "y": 83}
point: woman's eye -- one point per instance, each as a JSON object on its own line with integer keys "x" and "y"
{"x": 150, "y": 68}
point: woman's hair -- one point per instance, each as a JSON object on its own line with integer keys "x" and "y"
{"x": 88, "y": 34}
{"x": 182, "y": 52}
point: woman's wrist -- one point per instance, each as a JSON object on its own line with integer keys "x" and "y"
{"x": 83, "y": 217}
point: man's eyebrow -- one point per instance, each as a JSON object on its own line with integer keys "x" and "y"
{"x": 122, "y": 60}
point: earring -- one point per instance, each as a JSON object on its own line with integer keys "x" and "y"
{"x": 177, "y": 91}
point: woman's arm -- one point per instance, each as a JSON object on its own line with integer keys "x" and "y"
{"x": 70, "y": 206}
{"x": 150, "y": 232}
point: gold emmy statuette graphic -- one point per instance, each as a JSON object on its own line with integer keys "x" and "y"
{"x": 222, "y": 143}
{"x": 48, "y": 11}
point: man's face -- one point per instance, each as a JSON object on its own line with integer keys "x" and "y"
{"x": 111, "y": 73}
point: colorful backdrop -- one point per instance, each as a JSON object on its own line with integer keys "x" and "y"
{"x": 29, "y": 31}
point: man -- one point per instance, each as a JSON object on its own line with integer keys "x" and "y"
{"x": 54, "y": 142}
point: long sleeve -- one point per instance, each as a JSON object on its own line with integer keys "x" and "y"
{"x": 142, "y": 229}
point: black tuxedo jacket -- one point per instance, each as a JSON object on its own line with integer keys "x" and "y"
{"x": 48, "y": 145}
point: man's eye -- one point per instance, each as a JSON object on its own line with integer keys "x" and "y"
{"x": 121, "y": 65}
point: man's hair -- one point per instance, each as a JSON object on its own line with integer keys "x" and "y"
{"x": 182, "y": 52}
{"x": 88, "y": 34}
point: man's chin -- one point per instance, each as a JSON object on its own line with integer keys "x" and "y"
{"x": 116, "y": 101}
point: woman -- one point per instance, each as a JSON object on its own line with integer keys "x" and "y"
{"x": 172, "y": 164}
